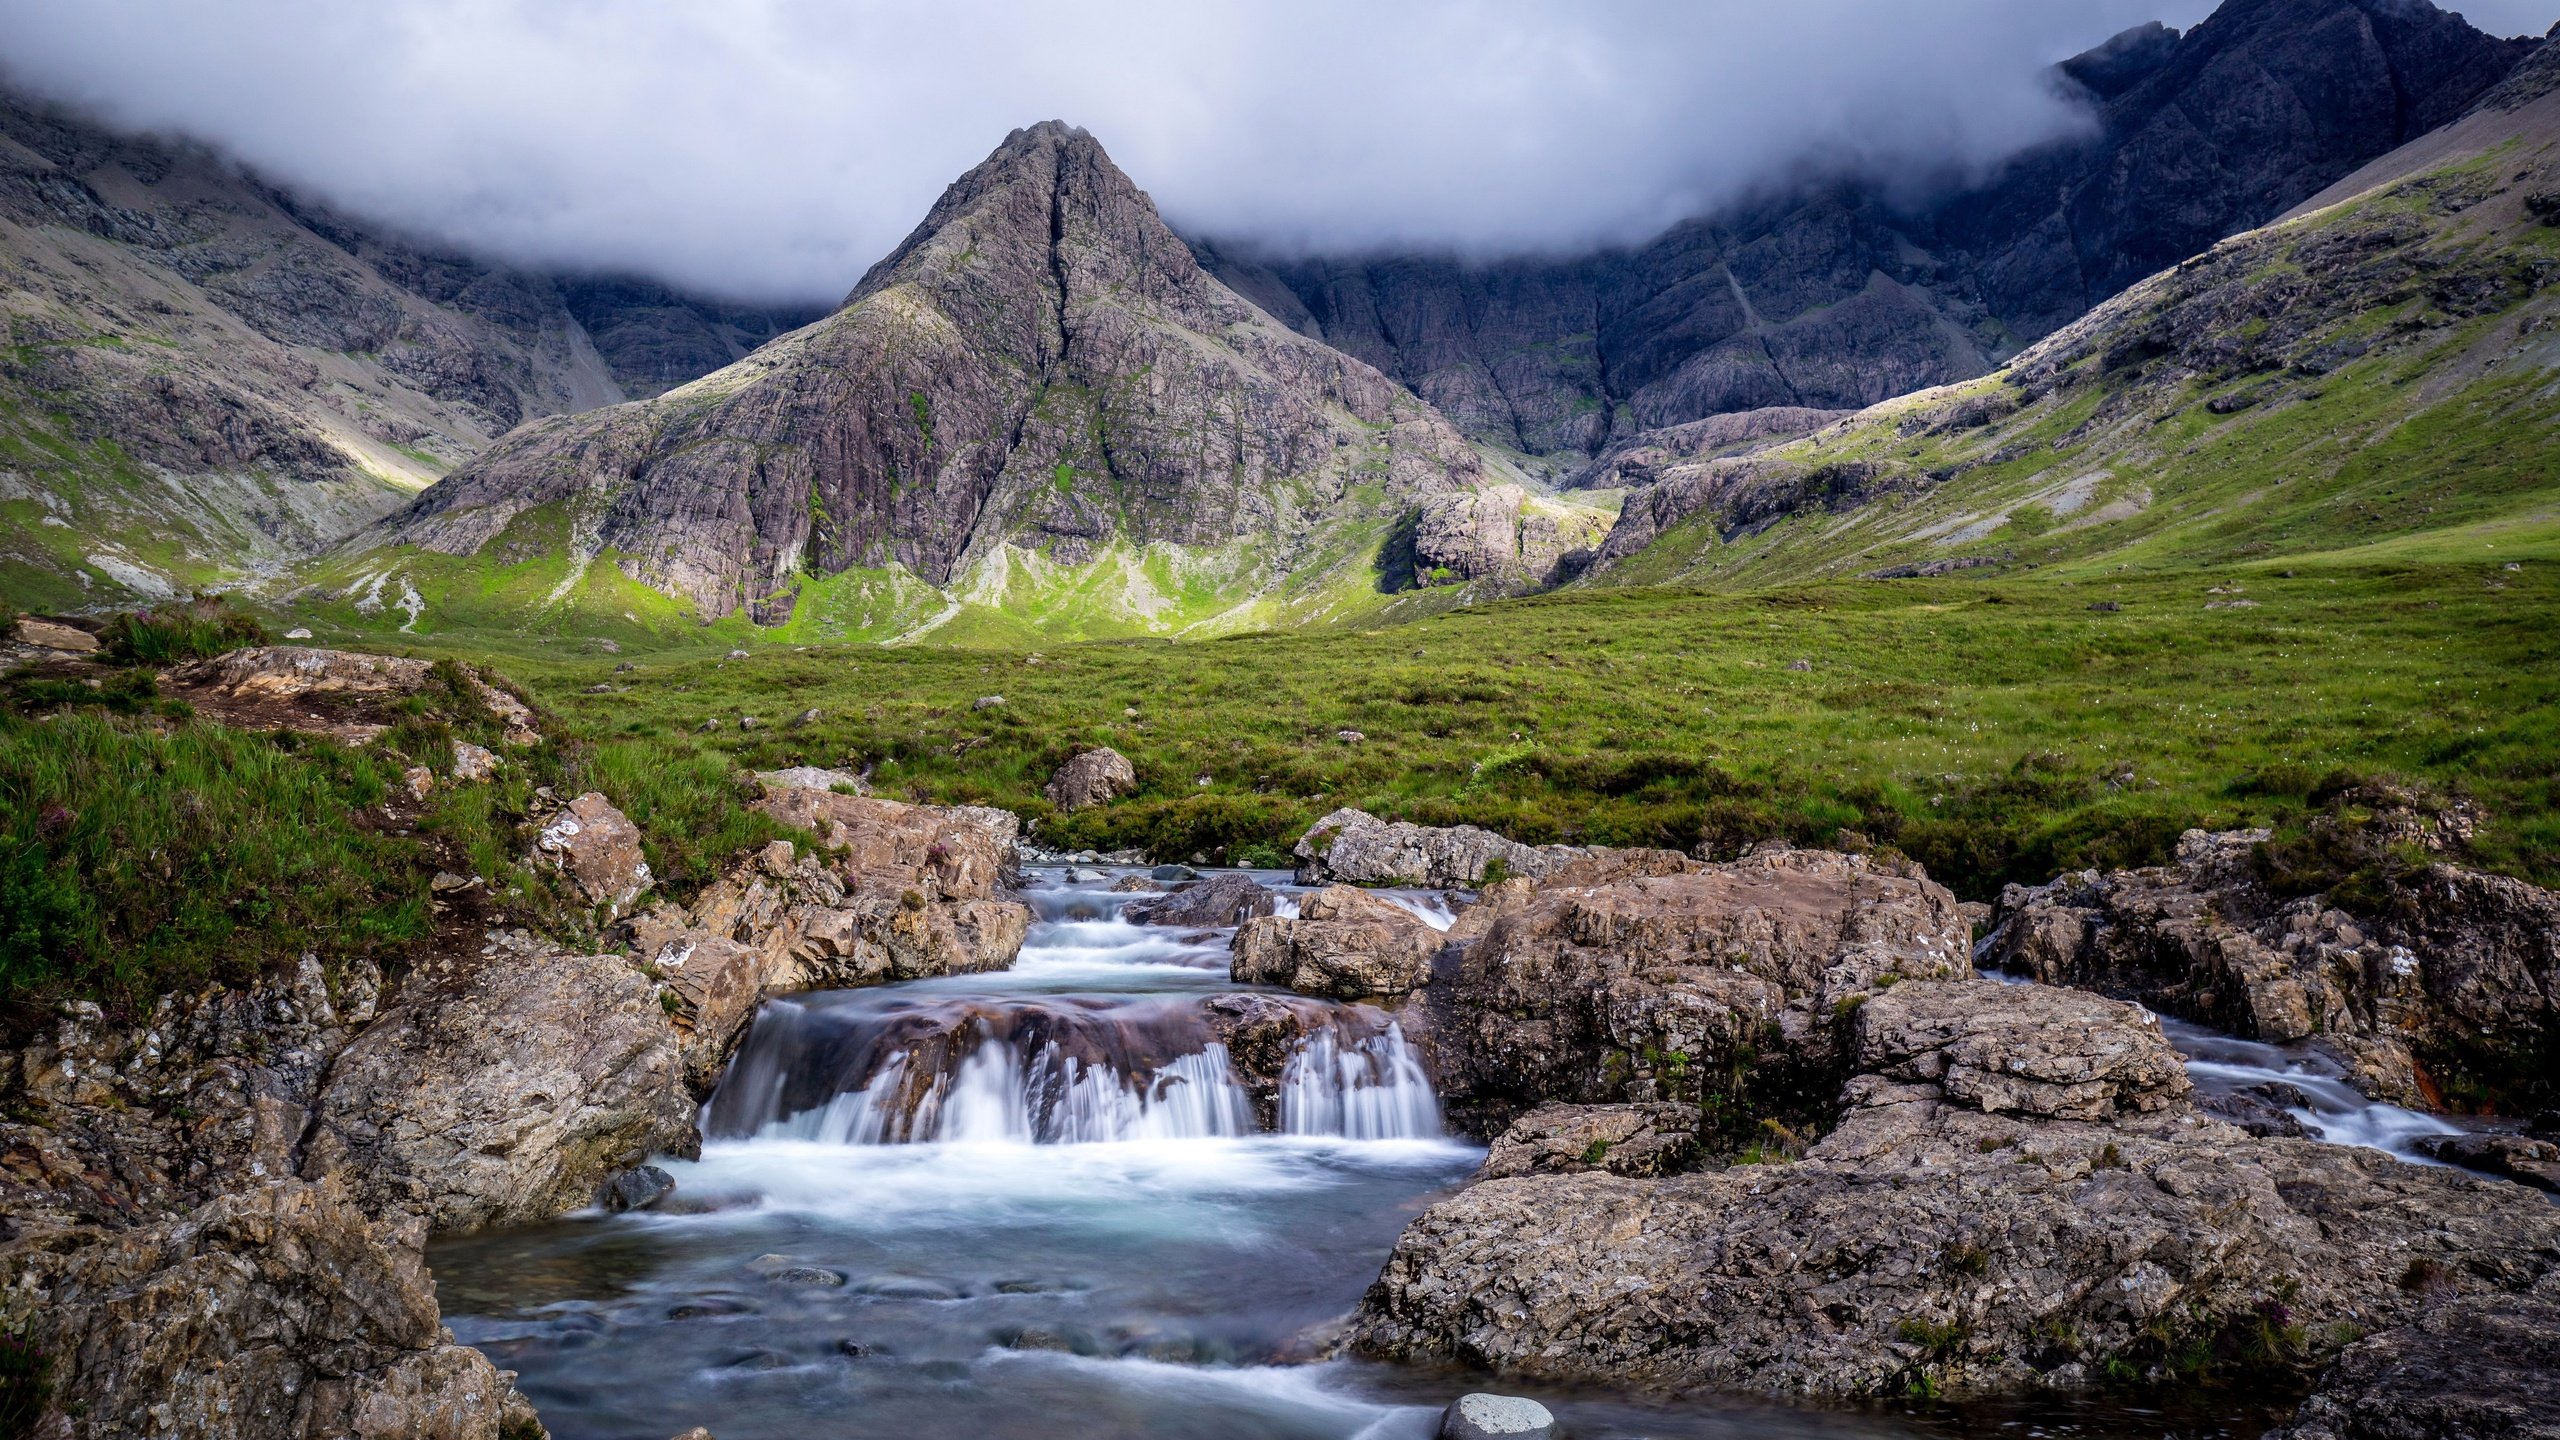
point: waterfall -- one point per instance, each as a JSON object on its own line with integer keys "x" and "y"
{"x": 1369, "y": 1088}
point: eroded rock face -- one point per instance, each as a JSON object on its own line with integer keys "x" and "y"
{"x": 123, "y": 1125}
{"x": 2481, "y": 1366}
{"x": 277, "y": 1310}
{"x": 1652, "y": 986}
{"x": 1091, "y": 777}
{"x": 2053, "y": 1054}
{"x": 1503, "y": 535}
{"x": 901, "y": 892}
{"x": 1927, "y": 1236}
{"x": 1343, "y": 942}
{"x": 598, "y": 848}
{"x": 284, "y": 676}
{"x": 503, "y": 1088}
{"x": 1357, "y": 847}
{"x": 2452, "y": 969}
{"x": 1656, "y": 1138}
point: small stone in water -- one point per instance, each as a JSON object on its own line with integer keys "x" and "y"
{"x": 852, "y": 1349}
{"x": 637, "y": 1188}
{"x": 1175, "y": 872}
{"x": 1496, "y": 1417}
{"x": 806, "y": 1275}
{"x": 899, "y": 1287}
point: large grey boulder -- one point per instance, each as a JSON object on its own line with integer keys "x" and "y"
{"x": 2434, "y": 972}
{"x": 278, "y": 1310}
{"x": 1355, "y": 847}
{"x": 1210, "y": 904}
{"x": 1343, "y": 942}
{"x": 1091, "y": 777}
{"x": 1929, "y": 1239}
{"x": 504, "y": 1088}
{"x": 1662, "y": 973}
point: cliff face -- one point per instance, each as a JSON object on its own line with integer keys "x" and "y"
{"x": 205, "y": 377}
{"x": 1840, "y": 299}
{"x": 1040, "y": 375}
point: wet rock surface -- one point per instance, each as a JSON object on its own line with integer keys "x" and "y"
{"x": 1980, "y": 1235}
{"x": 1211, "y": 904}
{"x": 2436, "y": 972}
{"x": 1660, "y": 975}
{"x": 503, "y": 1089}
{"x": 2480, "y": 1366}
{"x": 281, "y": 1309}
{"x": 1343, "y": 942}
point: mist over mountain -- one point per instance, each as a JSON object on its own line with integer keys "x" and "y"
{"x": 775, "y": 149}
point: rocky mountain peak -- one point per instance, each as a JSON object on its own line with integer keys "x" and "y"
{"x": 1039, "y": 378}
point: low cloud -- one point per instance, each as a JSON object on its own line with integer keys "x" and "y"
{"x": 774, "y": 148}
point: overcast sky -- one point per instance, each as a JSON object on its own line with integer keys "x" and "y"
{"x": 774, "y": 148}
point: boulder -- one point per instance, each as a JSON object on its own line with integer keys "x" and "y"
{"x": 505, "y": 1087}
{"x": 2054, "y": 1054}
{"x": 56, "y": 636}
{"x": 281, "y": 1309}
{"x": 812, "y": 777}
{"x": 1357, "y": 847}
{"x": 1657, "y": 986}
{"x": 2425, "y": 974}
{"x": 598, "y": 848}
{"x": 1210, "y": 904}
{"x": 956, "y": 852}
{"x": 1496, "y": 1417}
{"x": 2481, "y": 1366}
{"x": 474, "y": 763}
{"x": 2520, "y": 1158}
{"x": 297, "y": 673}
{"x": 1091, "y": 777}
{"x": 1930, "y": 1242}
{"x": 637, "y": 1188}
{"x": 1343, "y": 942}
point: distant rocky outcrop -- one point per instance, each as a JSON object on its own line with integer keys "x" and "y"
{"x": 1504, "y": 535}
{"x": 209, "y": 377}
{"x": 1040, "y": 375}
{"x": 1836, "y": 297}
{"x": 2415, "y": 977}
{"x": 1358, "y": 848}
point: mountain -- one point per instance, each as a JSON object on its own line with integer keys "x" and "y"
{"x": 1838, "y": 297}
{"x": 2369, "y": 380}
{"x": 1038, "y": 413}
{"x": 207, "y": 377}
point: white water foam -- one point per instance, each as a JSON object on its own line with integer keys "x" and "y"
{"x": 1372, "y": 1088}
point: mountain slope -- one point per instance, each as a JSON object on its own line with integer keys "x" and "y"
{"x": 2373, "y": 380}
{"x": 206, "y": 377}
{"x": 1039, "y": 410}
{"x": 1839, "y": 298}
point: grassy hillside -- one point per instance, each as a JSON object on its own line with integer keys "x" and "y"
{"x": 2377, "y": 381}
{"x": 1996, "y": 732}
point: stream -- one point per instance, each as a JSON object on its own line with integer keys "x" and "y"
{"x": 1041, "y": 1203}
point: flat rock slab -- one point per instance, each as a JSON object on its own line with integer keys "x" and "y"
{"x": 1496, "y": 1417}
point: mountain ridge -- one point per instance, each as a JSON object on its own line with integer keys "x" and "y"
{"x": 1039, "y": 391}
{"x": 1832, "y": 298}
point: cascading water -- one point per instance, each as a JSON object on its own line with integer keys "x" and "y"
{"x": 1369, "y": 1088}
